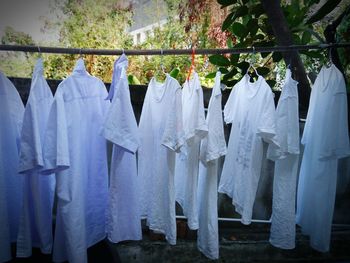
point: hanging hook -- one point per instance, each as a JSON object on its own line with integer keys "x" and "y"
{"x": 80, "y": 56}
{"x": 161, "y": 61}
{"x": 123, "y": 51}
{"x": 330, "y": 53}
{"x": 39, "y": 52}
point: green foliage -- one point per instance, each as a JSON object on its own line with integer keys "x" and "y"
{"x": 249, "y": 25}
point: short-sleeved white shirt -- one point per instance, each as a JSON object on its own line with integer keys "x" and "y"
{"x": 161, "y": 136}
{"x": 35, "y": 227}
{"x": 187, "y": 163}
{"x": 251, "y": 110}
{"x": 11, "y": 116}
{"x": 75, "y": 150}
{"x": 123, "y": 222}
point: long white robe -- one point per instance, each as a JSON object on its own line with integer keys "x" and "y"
{"x": 187, "y": 162}
{"x": 11, "y": 115}
{"x": 161, "y": 136}
{"x": 35, "y": 228}
{"x": 212, "y": 148}
{"x": 326, "y": 140}
{"x": 76, "y": 151}
{"x": 124, "y": 221}
{"x": 286, "y": 159}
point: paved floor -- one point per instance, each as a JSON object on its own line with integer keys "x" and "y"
{"x": 237, "y": 244}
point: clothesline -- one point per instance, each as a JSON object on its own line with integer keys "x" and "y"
{"x": 150, "y": 52}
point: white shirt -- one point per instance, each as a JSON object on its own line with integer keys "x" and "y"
{"x": 161, "y": 135}
{"x": 76, "y": 151}
{"x": 11, "y": 115}
{"x": 251, "y": 110}
{"x": 35, "y": 228}
{"x": 286, "y": 166}
{"x": 326, "y": 140}
{"x": 212, "y": 147}
{"x": 124, "y": 222}
{"x": 187, "y": 163}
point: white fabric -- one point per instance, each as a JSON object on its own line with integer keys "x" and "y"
{"x": 251, "y": 110}
{"x": 326, "y": 139}
{"x": 162, "y": 136}
{"x": 35, "y": 228}
{"x": 76, "y": 151}
{"x": 11, "y": 115}
{"x": 124, "y": 222}
{"x": 286, "y": 159}
{"x": 187, "y": 164}
{"x": 212, "y": 147}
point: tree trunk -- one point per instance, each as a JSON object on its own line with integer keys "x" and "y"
{"x": 284, "y": 37}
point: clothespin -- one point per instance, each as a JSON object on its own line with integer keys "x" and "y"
{"x": 192, "y": 63}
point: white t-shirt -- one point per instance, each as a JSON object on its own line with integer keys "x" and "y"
{"x": 124, "y": 222}
{"x": 161, "y": 136}
{"x": 35, "y": 227}
{"x": 286, "y": 166}
{"x": 212, "y": 147}
{"x": 326, "y": 140}
{"x": 11, "y": 116}
{"x": 187, "y": 163}
{"x": 251, "y": 110}
{"x": 76, "y": 151}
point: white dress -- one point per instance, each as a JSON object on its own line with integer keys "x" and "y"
{"x": 251, "y": 110}
{"x": 187, "y": 162}
{"x": 11, "y": 116}
{"x": 124, "y": 222}
{"x": 286, "y": 159}
{"x": 35, "y": 228}
{"x": 326, "y": 140}
{"x": 161, "y": 136}
{"x": 76, "y": 151}
{"x": 212, "y": 148}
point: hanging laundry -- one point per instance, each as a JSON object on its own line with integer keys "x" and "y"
{"x": 326, "y": 140}
{"x": 212, "y": 148}
{"x": 35, "y": 227}
{"x": 76, "y": 151}
{"x": 286, "y": 166}
{"x": 124, "y": 221}
{"x": 187, "y": 163}
{"x": 161, "y": 137}
{"x": 251, "y": 110}
{"x": 11, "y": 116}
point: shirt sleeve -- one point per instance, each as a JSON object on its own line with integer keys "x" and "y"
{"x": 267, "y": 123}
{"x": 56, "y": 147}
{"x": 120, "y": 126}
{"x": 336, "y": 135}
{"x": 230, "y": 106}
{"x": 173, "y": 136}
{"x": 30, "y": 149}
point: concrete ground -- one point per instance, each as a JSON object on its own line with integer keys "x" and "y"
{"x": 238, "y": 243}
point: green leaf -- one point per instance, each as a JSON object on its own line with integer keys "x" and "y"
{"x": 238, "y": 29}
{"x": 263, "y": 71}
{"x": 229, "y": 42}
{"x": 225, "y": 3}
{"x": 211, "y": 75}
{"x": 230, "y": 83}
{"x": 276, "y": 56}
{"x": 257, "y": 10}
{"x": 253, "y": 26}
{"x": 323, "y": 11}
{"x": 175, "y": 72}
{"x": 227, "y": 22}
{"x": 271, "y": 82}
{"x": 231, "y": 74}
{"x": 132, "y": 80}
{"x": 265, "y": 54}
{"x": 305, "y": 39}
{"x": 219, "y": 60}
{"x": 312, "y": 54}
{"x": 243, "y": 66}
{"x": 223, "y": 70}
{"x": 241, "y": 11}
{"x": 234, "y": 58}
